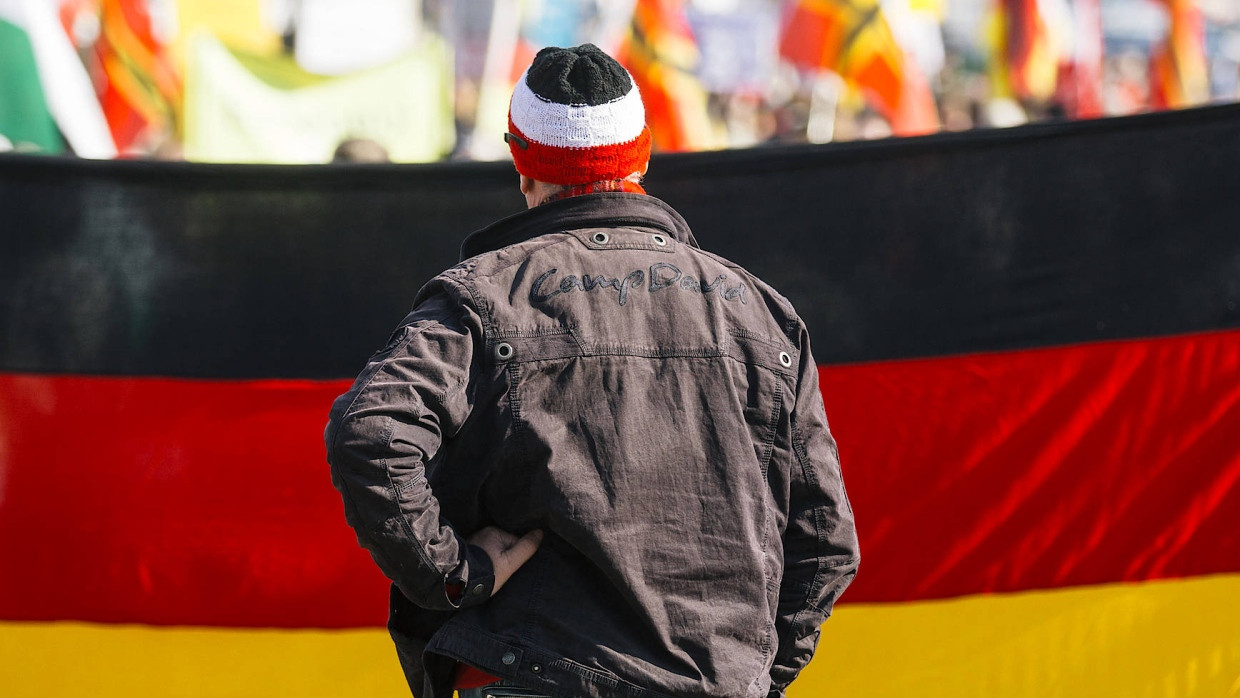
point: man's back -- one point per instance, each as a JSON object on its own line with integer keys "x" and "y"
{"x": 635, "y": 401}
{"x": 589, "y": 375}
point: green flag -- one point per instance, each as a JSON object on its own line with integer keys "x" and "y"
{"x": 24, "y": 117}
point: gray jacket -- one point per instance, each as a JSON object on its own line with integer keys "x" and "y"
{"x": 654, "y": 408}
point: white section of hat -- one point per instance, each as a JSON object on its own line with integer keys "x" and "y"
{"x": 576, "y": 125}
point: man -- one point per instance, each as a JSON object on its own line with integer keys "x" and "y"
{"x": 594, "y": 459}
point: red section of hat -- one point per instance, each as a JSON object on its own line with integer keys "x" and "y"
{"x": 555, "y": 165}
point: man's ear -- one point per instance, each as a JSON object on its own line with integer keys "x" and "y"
{"x": 527, "y": 184}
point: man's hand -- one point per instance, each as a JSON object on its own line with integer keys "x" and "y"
{"x": 507, "y": 551}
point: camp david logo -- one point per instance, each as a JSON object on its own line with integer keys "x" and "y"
{"x": 658, "y": 277}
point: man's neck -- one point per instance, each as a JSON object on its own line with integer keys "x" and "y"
{"x": 626, "y": 185}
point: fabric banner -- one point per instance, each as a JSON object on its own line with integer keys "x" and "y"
{"x": 250, "y": 109}
{"x": 1034, "y": 236}
{"x": 1114, "y": 640}
{"x": 1031, "y": 364}
{"x": 971, "y": 474}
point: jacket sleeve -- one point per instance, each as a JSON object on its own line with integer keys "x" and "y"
{"x": 820, "y": 540}
{"x": 411, "y": 396}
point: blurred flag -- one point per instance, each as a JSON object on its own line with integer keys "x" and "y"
{"x": 253, "y": 26}
{"x": 1178, "y": 76}
{"x": 44, "y": 89}
{"x": 1080, "y": 80}
{"x": 25, "y": 120}
{"x": 139, "y": 86}
{"x": 245, "y": 108}
{"x": 338, "y": 38}
{"x": 662, "y": 55}
{"x": 852, "y": 38}
{"x": 1027, "y": 50}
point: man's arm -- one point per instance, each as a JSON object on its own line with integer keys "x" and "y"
{"x": 410, "y": 397}
{"x": 820, "y": 541}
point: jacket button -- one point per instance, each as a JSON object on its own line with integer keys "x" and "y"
{"x": 508, "y": 658}
{"x": 503, "y": 351}
{"x": 478, "y": 589}
{"x": 535, "y": 668}
{"x": 785, "y": 359}
{"x": 600, "y": 238}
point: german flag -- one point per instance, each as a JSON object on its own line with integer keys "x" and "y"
{"x": 1028, "y": 51}
{"x": 662, "y": 55}
{"x": 1178, "y": 75}
{"x": 1032, "y": 369}
{"x": 852, "y": 39}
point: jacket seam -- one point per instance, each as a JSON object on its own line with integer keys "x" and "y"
{"x": 768, "y": 448}
{"x": 816, "y": 580}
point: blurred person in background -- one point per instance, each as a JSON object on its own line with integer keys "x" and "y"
{"x": 594, "y": 459}
{"x": 360, "y": 150}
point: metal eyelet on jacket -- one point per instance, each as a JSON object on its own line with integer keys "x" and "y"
{"x": 503, "y": 351}
{"x": 659, "y": 240}
{"x": 601, "y": 238}
{"x": 785, "y": 358}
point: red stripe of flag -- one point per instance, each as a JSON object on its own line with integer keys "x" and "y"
{"x": 1042, "y": 468}
{"x": 173, "y": 501}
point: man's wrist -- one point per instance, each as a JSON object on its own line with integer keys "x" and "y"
{"x": 474, "y": 581}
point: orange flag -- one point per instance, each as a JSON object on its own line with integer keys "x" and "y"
{"x": 1178, "y": 76}
{"x": 662, "y": 54}
{"x": 852, "y": 38}
{"x": 140, "y": 90}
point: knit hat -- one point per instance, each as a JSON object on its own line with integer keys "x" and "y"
{"x": 576, "y": 117}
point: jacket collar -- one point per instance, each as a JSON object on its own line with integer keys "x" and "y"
{"x": 603, "y": 210}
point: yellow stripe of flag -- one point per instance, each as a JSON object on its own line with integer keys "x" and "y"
{"x": 1170, "y": 638}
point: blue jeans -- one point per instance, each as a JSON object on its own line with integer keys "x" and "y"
{"x": 499, "y": 689}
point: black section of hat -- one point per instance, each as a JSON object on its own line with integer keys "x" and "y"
{"x": 581, "y": 75}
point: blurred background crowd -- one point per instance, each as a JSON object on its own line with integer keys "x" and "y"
{"x": 311, "y": 81}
